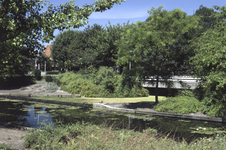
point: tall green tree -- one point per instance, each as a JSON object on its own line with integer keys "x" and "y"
{"x": 95, "y": 46}
{"x": 107, "y": 47}
{"x": 147, "y": 45}
{"x": 207, "y": 19}
{"x": 84, "y": 47}
{"x": 22, "y": 25}
{"x": 60, "y": 50}
{"x": 209, "y": 62}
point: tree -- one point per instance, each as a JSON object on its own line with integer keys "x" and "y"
{"x": 94, "y": 46}
{"x": 107, "y": 47}
{"x": 147, "y": 45}
{"x": 22, "y": 25}
{"x": 60, "y": 50}
{"x": 209, "y": 62}
{"x": 207, "y": 19}
{"x": 84, "y": 47}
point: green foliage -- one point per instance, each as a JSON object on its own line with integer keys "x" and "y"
{"x": 102, "y": 83}
{"x": 52, "y": 72}
{"x": 52, "y": 87}
{"x": 213, "y": 102}
{"x": 209, "y": 64}
{"x": 60, "y": 51}
{"x": 89, "y": 136}
{"x": 37, "y": 74}
{"x": 22, "y": 26}
{"x": 48, "y": 79}
{"x": 23, "y": 88}
{"x": 6, "y": 147}
{"x": 179, "y": 104}
{"x": 208, "y": 18}
{"x": 127, "y": 87}
{"x": 187, "y": 93}
{"x": 150, "y": 46}
{"x": 106, "y": 77}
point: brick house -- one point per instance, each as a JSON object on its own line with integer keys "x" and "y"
{"x": 47, "y": 51}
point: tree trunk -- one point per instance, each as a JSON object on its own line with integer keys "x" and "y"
{"x": 156, "y": 89}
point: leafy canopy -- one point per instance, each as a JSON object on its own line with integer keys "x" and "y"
{"x": 147, "y": 45}
{"x": 22, "y": 25}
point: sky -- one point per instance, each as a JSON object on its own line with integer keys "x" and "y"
{"x": 136, "y": 10}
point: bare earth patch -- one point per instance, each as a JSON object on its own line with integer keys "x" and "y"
{"x": 12, "y": 136}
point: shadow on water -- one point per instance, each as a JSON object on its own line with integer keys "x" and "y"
{"x": 31, "y": 114}
{"x": 140, "y": 105}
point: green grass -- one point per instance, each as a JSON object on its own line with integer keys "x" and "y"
{"x": 88, "y": 136}
{"x": 105, "y": 100}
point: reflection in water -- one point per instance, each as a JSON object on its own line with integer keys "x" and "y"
{"x": 36, "y": 118}
{"x": 33, "y": 114}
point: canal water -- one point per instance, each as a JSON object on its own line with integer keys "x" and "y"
{"x": 32, "y": 114}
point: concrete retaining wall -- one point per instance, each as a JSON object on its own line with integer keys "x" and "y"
{"x": 163, "y": 114}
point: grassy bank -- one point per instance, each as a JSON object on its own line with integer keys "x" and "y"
{"x": 105, "y": 100}
{"x": 88, "y": 136}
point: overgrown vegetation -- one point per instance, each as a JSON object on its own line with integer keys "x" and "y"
{"x": 6, "y": 147}
{"x": 103, "y": 82}
{"x": 88, "y": 136}
{"x": 48, "y": 79}
{"x": 51, "y": 87}
{"x": 212, "y": 99}
{"x": 179, "y": 104}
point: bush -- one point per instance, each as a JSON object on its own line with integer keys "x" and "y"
{"x": 107, "y": 77}
{"x": 51, "y": 87}
{"x": 52, "y": 72}
{"x": 48, "y": 79}
{"x": 185, "y": 93}
{"x": 37, "y": 74}
{"x": 126, "y": 88}
{"x": 103, "y": 83}
{"x": 214, "y": 100}
{"x": 179, "y": 104}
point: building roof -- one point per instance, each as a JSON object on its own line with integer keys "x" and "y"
{"x": 47, "y": 51}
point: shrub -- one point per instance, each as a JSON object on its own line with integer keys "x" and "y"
{"x": 52, "y": 72}
{"x": 48, "y": 79}
{"x": 37, "y": 74}
{"x": 185, "y": 93}
{"x": 51, "y": 87}
{"x": 104, "y": 83}
{"x": 214, "y": 101}
{"x": 179, "y": 104}
{"x": 107, "y": 77}
{"x": 125, "y": 87}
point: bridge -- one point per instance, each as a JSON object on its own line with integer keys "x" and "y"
{"x": 178, "y": 82}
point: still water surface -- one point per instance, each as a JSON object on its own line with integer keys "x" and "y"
{"x": 32, "y": 114}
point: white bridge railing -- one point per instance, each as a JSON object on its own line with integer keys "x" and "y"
{"x": 178, "y": 82}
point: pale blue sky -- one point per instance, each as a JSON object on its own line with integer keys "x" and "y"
{"x": 136, "y": 10}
